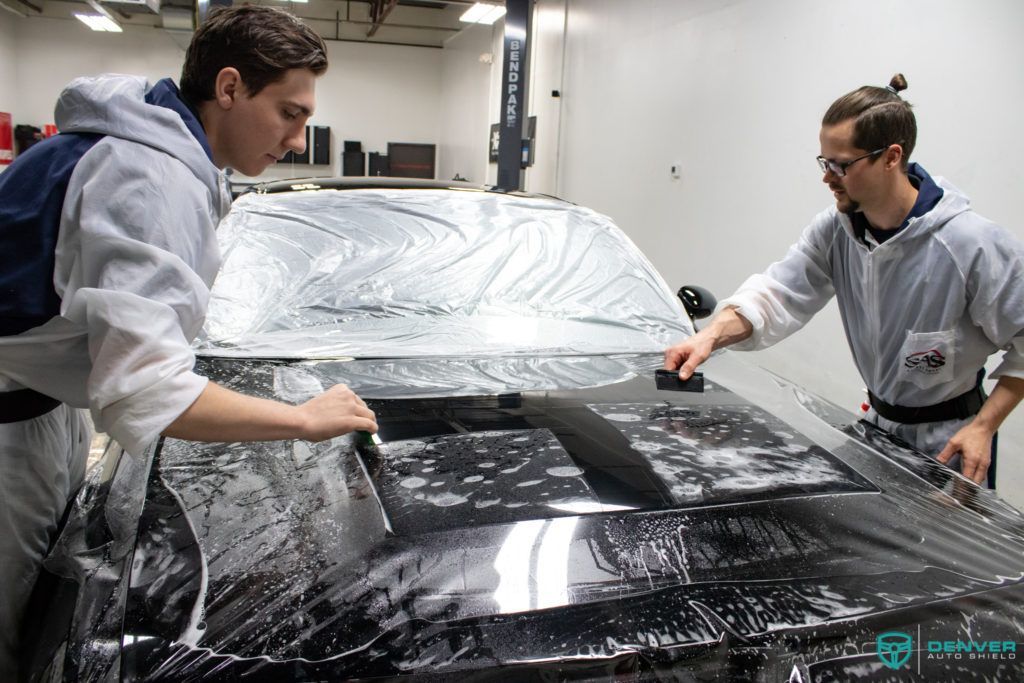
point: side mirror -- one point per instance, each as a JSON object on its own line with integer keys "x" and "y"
{"x": 698, "y": 302}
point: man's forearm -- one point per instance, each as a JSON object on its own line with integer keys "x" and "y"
{"x": 1004, "y": 398}
{"x": 220, "y": 414}
{"x": 728, "y": 327}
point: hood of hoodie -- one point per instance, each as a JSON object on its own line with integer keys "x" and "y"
{"x": 953, "y": 203}
{"x": 114, "y": 104}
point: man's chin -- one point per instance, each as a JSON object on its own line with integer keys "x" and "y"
{"x": 252, "y": 170}
{"x": 847, "y": 205}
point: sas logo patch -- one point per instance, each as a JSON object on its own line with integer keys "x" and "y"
{"x": 930, "y": 361}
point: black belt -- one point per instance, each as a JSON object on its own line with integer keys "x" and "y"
{"x": 24, "y": 404}
{"x": 961, "y": 407}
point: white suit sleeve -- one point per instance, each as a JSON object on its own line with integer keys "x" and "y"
{"x": 128, "y": 275}
{"x": 781, "y": 300}
{"x": 995, "y": 284}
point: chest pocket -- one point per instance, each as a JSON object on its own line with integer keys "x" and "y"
{"x": 928, "y": 359}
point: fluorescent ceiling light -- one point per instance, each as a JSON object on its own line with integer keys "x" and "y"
{"x": 473, "y": 14}
{"x": 483, "y": 13}
{"x": 98, "y": 22}
{"x": 102, "y": 20}
{"x": 492, "y": 16}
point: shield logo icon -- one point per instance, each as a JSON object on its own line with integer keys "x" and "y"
{"x": 894, "y": 648}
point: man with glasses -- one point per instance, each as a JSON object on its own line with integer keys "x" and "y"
{"x": 927, "y": 288}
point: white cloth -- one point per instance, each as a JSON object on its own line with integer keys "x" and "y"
{"x": 135, "y": 258}
{"x": 42, "y": 462}
{"x": 922, "y": 311}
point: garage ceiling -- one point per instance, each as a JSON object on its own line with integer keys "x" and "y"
{"x": 421, "y": 23}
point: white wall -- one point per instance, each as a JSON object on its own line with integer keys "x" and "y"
{"x": 374, "y": 94}
{"x": 734, "y": 90}
{"x": 51, "y": 52}
{"x": 465, "y": 88}
{"x": 546, "y": 75}
{"x": 8, "y": 94}
{"x": 371, "y": 93}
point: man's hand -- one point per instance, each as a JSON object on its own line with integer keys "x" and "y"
{"x": 336, "y": 411}
{"x": 687, "y": 355}
{"x": 974, "y": 441}
{"x": 728, "y": 327}
{"x": 974, "y": 444}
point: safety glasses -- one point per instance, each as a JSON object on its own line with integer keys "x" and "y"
{"x": 839, "y": 167}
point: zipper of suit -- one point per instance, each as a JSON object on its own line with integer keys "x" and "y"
{"x": 874, "y": 326}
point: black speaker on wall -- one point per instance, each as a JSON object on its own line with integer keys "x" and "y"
{"x": 379, "y": 164}
{"x": 353, "y": 163}
{"x": 321, "y": 145}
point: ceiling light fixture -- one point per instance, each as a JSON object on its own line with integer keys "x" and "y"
{"x": 483, "y": 13}
{"x": 101, "y": 21}
{"x": 98, "y": 22}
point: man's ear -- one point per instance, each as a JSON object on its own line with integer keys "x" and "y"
{"x": 228, "y": 87}
{"x": 893, "y": 156}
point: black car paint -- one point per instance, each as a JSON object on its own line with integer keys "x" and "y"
{"x": 307, "y": 583}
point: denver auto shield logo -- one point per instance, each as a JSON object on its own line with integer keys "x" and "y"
{"x": 894, "y": 648}
{"x": 925, "y": 361}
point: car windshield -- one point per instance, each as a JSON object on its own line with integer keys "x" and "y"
{"x": 430, "y": 272}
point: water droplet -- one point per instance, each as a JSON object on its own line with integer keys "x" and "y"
{"x": 568, "y": 471}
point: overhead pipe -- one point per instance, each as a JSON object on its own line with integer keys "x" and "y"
{"x": 380, "y": 11}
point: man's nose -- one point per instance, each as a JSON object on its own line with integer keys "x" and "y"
{"x": 297, "y": 140}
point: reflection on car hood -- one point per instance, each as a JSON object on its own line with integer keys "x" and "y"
{"x": 453, "y": 376}
{"x": 604, "y": 526}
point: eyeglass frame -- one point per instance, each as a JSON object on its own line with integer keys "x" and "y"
{"x": 838, "y": 168}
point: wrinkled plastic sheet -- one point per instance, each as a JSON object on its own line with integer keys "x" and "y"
{"x": 399, "y": 273}
{"x": 94, "y": 553}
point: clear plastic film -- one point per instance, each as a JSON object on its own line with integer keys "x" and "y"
{"x": 405, "y": 273}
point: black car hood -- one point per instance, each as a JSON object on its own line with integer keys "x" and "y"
{"x": 599, "y": 527}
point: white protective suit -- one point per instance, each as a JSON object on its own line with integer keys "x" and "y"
{"x": 135, "y": 258}
{"x": 950, "y": 281}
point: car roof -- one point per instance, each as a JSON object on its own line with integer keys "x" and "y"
{"x": 380, "y": 182}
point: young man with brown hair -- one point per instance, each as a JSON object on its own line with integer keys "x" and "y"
{"x": 927, "y": 289}
{"x": 107, "y": 254}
